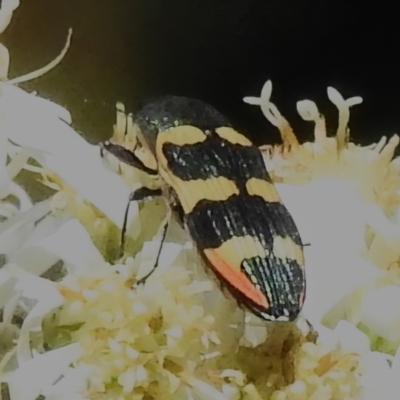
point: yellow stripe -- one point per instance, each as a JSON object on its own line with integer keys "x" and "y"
{"x": 286, "y": 248}
{"x": 181, "y": 135}
{"x": 260, "y": 187}
{"x": 191, "y": 192}
{"x": 232, "y": 136}
{"x": 238, "y": 248}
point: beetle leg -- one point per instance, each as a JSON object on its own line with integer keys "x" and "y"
{"x": 162, "y": 233}
{"x": 126, "y": 156}
{"x": 140, "y": 194}
{"x": 173, "y": 202}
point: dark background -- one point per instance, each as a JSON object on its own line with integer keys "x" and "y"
{"x": 215, "y": 50}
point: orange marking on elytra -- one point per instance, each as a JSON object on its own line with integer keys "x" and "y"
{"x": 236, "y": 279}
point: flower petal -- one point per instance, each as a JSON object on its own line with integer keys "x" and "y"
{"x": 28, "y": 381}
{"x": 379, "y": 312}
{"x": 17, "y": 163}
{"x": 4, "y": 61}
{"x": 331, "y": 217}
{"x": 332, "y": 278}
{"x": 7, "y": 283}
{"x": 72, "y": 244}
{"x": 73, "y": 383}
{"x": 376, "y": 380}
{"x": 47, "y": 296}
{"x": 395, "y": 373}
{"x": 4, "y": 179}
{"x": 169, "y": 253}
{"x": 13, "y": 96}
{"x": 205, "y": 390}
{"x": 6, "y": 11}
{"x": 31, "y": 256}
{"x": 351, "y": 339}
{"x": 93, "y": 181}
{"x": 329, "y": 214}
{"x": 308, "y": 110}
{"x": 59, "y": 144}
{"x": 16, "y": 231}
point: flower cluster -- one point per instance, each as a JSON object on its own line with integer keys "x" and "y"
{"x": 73, "y": 325}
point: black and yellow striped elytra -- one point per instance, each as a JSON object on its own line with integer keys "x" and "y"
{"x": 229, "y": 204}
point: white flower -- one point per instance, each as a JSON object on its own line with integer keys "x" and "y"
{"x": 6, "y": 12}
{"x": 59, "y": 148}
{"x": 379, "y": 311}
{"x": 342, "y": 365}
{"x": 331, "y": 213}
{"x": 38, "y": 375}
{"x": 73, "y": 245}
{"x": 54, "y": 144}
{"x": 331, "y": 218}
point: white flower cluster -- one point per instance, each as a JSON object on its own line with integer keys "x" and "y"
{"x": 88, "y": 335}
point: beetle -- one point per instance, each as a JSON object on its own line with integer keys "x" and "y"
{"x": 216, "y": 180}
